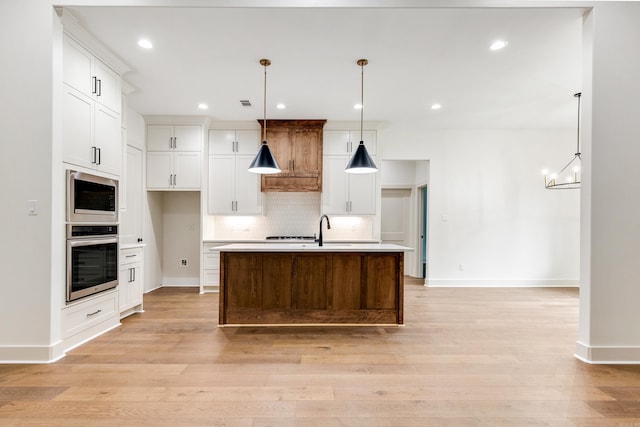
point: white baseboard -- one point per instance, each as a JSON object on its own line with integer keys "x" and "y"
{"x": 607, "y": 355}
{"x": 181, "y": 282}
{"x": 501, "y": 283}
{"x": 30, "y": 354}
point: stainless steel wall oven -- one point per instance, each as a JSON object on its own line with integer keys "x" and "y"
{"x": 92, "y": 259}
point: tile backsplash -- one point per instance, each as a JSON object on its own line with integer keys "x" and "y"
{"x": 287, "y": 214}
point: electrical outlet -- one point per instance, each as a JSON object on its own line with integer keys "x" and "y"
{"x": 461, "y": 267}
{"x": 184, "y": 262}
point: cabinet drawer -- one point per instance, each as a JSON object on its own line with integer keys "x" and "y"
{"x": 212, "y": 260}
{"x": 130, "y": 256}
{"x": 212, "y": 277}
{"x": 86, "y": 314}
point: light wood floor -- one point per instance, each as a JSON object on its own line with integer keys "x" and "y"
{"x": 466, "y": 357}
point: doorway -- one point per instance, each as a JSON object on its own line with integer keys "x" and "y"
{"x": 396, "y": 219}
{"x": 422, "y": 209}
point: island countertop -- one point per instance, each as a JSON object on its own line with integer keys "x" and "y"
{"x": 313, "y": 247}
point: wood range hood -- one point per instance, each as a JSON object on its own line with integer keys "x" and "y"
{"x": 297, "y": 147}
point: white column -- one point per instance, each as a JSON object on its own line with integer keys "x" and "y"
{"x": 609, "y": 329}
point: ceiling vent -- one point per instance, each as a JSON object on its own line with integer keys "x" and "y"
{"x": 245, "y": 103}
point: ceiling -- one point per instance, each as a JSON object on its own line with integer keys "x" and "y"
{"x": 417, "y": 57}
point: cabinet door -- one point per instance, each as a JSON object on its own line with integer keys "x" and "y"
{"x": 187, "y": 171}
{"x": 107, "y": 140}
{"x": 77, "y": 66}
{"x": 334, "y": 189}
{"x": 131, "y": 218}
{"x": 123, "y": 287}
{"x": 306, "y": 153}
{"x": 159, "y": 170}
{"x": 336, "y": 142}
{"x": 247, "y": 189}
{"x": 135, "y": 286}
{"x": 278, "y": 140}
{"x": 107, "y": 90}
{"x": 221, "y": 141}
{"x": 159, "y": 138}
{"x": 77, "y": 127}
{"x": 221, "y": 188}
{"x": 248, "y": 141}
{"x": 187, "y": 138}
{"x": 362, "y": 193}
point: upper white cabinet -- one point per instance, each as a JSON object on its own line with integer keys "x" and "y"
{"x": 174, "y": 157}
{"x": 345, "y": 193}
{"x": 90, "y": 76}
{"x": 91, "y": 111}
{"x": 232, "y": 188}
{"x": 234, "y": 141}
{"x": 342, "y": 142}
{"x": 174, "y": 138}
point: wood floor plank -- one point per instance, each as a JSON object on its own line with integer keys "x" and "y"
{"x": 465, "y": 357}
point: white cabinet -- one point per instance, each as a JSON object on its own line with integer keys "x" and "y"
{"x": 132, "y": 195}
{"x": 174, "y": 159}
{"x": 232, "y": 188}
{"x": 90, "y": 76}
{"x": 174, "y": 138}
{"x": 343, "y": 142}
{"x": 91, "y": 104}
{"x": 130, "y": 281}
{"x": 210, "y": 281}
{"x": 344, "y": 193}
{"x": 234, "y": 141}
{"x": 89, "y": 317}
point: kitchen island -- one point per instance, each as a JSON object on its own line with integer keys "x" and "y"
{"x": 307, "y": 284}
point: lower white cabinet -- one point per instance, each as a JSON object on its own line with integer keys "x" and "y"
{"x": 210, "y": 281}
{"x": 232, "y": 188}
{"x": 347, "y": 193}
{"x": 130, "y": 281}
{"x": 88, "y": 317}
{"x": 173, "y": 170}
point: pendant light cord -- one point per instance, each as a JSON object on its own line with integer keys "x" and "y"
{"x": 264, "y": 129}
{"x": 361, "y": 97}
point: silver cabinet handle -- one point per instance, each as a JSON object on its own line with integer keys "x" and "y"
{"x": 99, "y": 160}
{"x": 94, "y": 313}
{"x": 99, "y": 88}
{"x": 175, "y": 179}
{"x": 129, "y": 256}
{"x": 94, "y": 84}
{"x": 93, "y": 155}
{"x": 175, "y": 142}
{"x": 170, "y": 180}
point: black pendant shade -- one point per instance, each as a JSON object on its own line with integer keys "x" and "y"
{"x": 264, "y": 161}
{"x": 361, "y": 162}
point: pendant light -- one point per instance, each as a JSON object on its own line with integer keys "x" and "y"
{"x": 569, "y": 176}
{"x": 264, "y": 162}
{"x": 361, "y": 162}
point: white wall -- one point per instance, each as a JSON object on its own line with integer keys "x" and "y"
{"x": 153, "y": 236}
{"x": 610, "y": 295}
{"x": 488, "y": 209}
{"x": 27, "y": 299}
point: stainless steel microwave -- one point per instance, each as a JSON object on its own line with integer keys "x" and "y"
{"x": 91, "y": 198}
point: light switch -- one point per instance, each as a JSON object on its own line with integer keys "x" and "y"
{"x": 32, "y": 207}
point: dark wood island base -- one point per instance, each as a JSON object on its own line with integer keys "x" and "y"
{"x": 311, "y": 288}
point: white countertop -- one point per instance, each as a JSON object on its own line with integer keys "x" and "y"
{"x": 313, "y": 247}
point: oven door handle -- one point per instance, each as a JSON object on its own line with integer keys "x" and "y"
{"x": 90, "y": 242}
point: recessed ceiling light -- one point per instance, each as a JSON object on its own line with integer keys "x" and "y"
{"x": 281, "y": 106}
{"x": 145, "y": 44}
{"x": 203, "y": 106}
{"x": 436, "y": 106}
{"x": 358, "y": 106}
{"x": 498, "y": 44}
